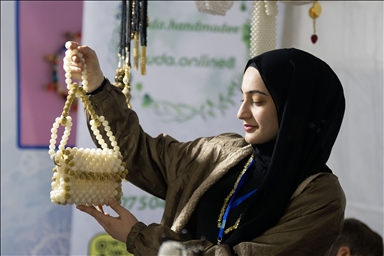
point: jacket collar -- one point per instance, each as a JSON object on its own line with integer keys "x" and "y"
{"x": 231, "y": 160}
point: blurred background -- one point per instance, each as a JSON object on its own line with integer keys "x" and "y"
{"x": 192, "y": 88}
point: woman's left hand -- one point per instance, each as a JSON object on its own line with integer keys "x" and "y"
{"x": 118, "y": 227}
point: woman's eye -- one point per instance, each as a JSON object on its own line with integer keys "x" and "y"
{"x": 257, "y": 103}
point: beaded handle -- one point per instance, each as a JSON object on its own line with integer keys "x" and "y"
{"x": 65, "y": 120}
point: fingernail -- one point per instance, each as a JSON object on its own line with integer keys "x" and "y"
{"x": 111, "y": 200}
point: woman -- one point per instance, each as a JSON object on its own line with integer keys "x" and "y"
{"x": 267, "y": 193}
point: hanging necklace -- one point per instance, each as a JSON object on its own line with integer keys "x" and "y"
{"x": 134, "y": 23}
{"x": 231, "y": 202}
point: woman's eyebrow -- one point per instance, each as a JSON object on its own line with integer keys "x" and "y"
{"x": 256, "y": 91}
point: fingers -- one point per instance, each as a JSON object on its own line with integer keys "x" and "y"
{"x": 97, "y": 213}
{"x": 71, "y": 45}
{"x": 118, "y": 208}
{"x": 100, "y": 208}
{"x": 115, "y": 206}
{"x": 85, "y": 50}
{"x": 124, "y": 214}
{"x": 76, "y": 65}
{"x": 100, "y": 217}
{"x": 91, "y": 210}
{"x": 117, "y": 227}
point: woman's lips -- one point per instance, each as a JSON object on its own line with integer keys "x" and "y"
{"x": 248, "y": 127}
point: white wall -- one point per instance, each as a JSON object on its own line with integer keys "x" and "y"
{"x": 351, "y": 42}
{"x": 30, "y": 223}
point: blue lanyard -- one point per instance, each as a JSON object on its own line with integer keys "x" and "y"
{"x": 235, "y": 202}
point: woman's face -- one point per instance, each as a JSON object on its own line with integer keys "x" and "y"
{"x": 257, "y": 109}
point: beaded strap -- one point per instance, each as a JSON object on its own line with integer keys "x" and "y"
{"x": 65, "y": 120}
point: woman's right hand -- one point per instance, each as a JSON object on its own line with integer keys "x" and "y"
{"x": 95, "y": 76}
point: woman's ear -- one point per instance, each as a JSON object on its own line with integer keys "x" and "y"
{"x": 344, "y": 251}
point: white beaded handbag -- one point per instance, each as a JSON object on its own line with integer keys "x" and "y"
{"x": 84, "y": 176}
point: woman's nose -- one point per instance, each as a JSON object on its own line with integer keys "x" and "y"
{"x": 243, "y": 112}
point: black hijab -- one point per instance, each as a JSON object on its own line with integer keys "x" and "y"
{"x": 310, "y": 105}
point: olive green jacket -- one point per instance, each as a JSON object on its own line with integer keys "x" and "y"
{"x": 181, "y": 172}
